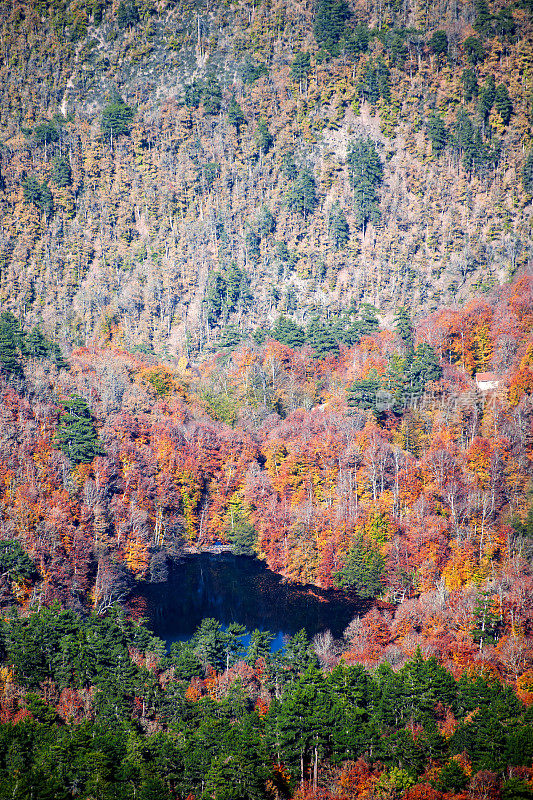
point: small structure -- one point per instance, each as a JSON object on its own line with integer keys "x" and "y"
{"x": 486, "y": 381}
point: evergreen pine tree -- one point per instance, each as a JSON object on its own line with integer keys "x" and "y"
{"x": 76, "y": 434}
{"x": 242, "y": 538}
{"x": 301, "y": 66}
{"x": 184, "y": 660}
{"x": 504, "y": 24}
{"x": 465, "y": 140}
{"x": 363, "y": 570}
{"x": 369, "y": 320}
{"x": 486, "y": 97}
{"x": 436, "y": 131}
{"x": 230, "y": 337}
{"x": 259, "y": 646}
{"x": 515, "y": 789}
{"x": 339, "y": 231}
{"x": 358, "y": 41}
{"x": 210, "y": 173}
{"x": 127, "y": 13}
{"x": 212, "y": 96}
{"x": 209, "y": 644}
{"x": 62, "y": 173}
{"x": 301, "y": 197}
{"x": 251, "y": 70}
{"x": 423, "y": 367}
{"x": 57, "y": 357}
{"x": 503, "y": 103}
{"x": 253, "y": 245}
{"x": 263, "y": 138}
{"x": 483, "y": 20}
{"x": 46, "y": 200}
{"x": 45, "y": 132}
{"x": 398, "y": 49}
{"x": 299, "y": 653}
{"x": 363, "y": 392}
{"x": 14, "y": 561}
{"x": 215, "y": 297}
{"x": 474, "y": 50}
{"x": 452, "y": 777}
{"x": 487, "y": 620}
{"x": 235, "y": 115}
{"x": 287, "y": 331}
{"x": 15, "y": 327}
{"x": 265, "y": 221}
{"x": 330, "y": 19}
{"x": 383, "y": 78}
{"x": 9, "y": 352}
{"x": 288, "y": 166}
{"x": 527, "y": 172}
{"x": 37, "y": 345}
{"x": 470, "y": 85}
{"x": 31, "y": 190}
{"x": 438, "y": 44}
{"x": 234, "y": 276}
{"x": 193, "y": 93}
{"x": 404, "y": 328}
{"x": 320, "y": 334}
{"x": 365, "y": 172}
{"x": 116, "y": 117}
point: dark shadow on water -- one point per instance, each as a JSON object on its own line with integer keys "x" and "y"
{"x": 242, "y": 589}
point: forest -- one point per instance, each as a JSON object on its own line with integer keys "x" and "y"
{"x": 380, "y": 467}
{"x": 182, "y": 174}
{"x": 265, "y": 284}
{"x": 122, "y": 719}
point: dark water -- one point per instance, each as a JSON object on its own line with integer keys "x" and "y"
{"x": 241, "y": 589}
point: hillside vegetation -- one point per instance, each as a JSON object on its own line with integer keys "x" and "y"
{"x": 172, "y": 169}
{"x": 380, "y": 468}
{"x": 254, "y": 262}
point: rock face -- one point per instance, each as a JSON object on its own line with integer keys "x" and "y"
{"x": 174, "y": 172}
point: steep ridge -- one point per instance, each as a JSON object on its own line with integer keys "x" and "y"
{"x": 169, "y": 170}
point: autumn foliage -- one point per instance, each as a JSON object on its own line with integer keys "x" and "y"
{"x": 435, "y": 496}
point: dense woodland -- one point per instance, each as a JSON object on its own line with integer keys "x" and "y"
{"x": 253, "y": 261}
{"x": 94, "y": 709}
{"x": 190, "y": 171}
{"x": 378, "y": 467}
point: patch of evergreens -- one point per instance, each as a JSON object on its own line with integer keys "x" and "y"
{"x": 142, "y": 737}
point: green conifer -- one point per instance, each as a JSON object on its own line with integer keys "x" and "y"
{"x": 330, "y": 21}
{"x": 363, "y": 570}
{"x": 362, "y": 393}
{"x": 9, "y": 345}
{"x": 404, "y": 328}
{"x": 365, "y": 172}
{"x": 503, "y": 103}
{"x": 527, "y": 172}
{"x": 235, "y": 115}
{"x": 339, "y": 231}
{"x": 76, "y": 434}
{"x": 437, "y": 133}
{"x": 62, "y": 173}
{"x": 37, "y": 345}
{"x": 116, "y": 117}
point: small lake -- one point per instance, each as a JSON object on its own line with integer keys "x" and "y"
{"x": 242, "y": 589}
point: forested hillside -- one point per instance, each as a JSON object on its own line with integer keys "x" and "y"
{"x": 172, "y": 169}
{"x": 265, "y": 275}
{"x": 382, "y": 468}
{"x": 120, "y": 720}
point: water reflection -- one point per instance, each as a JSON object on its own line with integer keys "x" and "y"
{"x": 241, "y": 589}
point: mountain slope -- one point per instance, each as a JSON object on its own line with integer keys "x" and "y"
{"x": 136, "y": 200}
